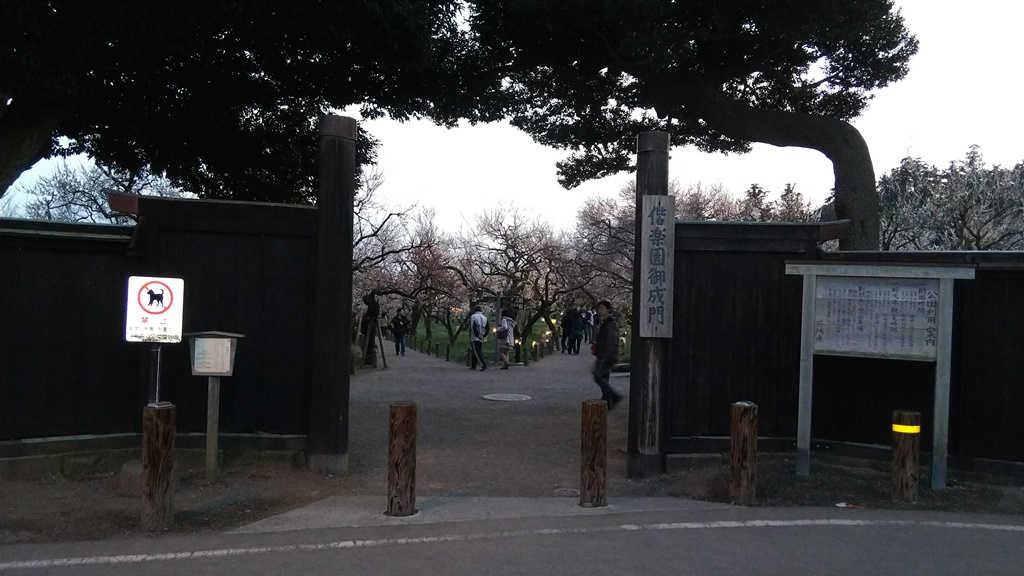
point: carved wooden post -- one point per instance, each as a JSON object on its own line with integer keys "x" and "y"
{"x": 906, "y": 442}
{"x": 743, "y": 453}
{"x": 158, "y": 426}
{"x": 402, "y": 460}
{"x": 593, "y": 453}
{"x": 645, "y": 455}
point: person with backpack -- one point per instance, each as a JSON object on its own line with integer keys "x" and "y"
{"x": 506, "y": 337}
{"x": 477, "y": 336}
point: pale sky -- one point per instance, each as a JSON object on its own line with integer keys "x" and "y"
{"x": 962, "y": 89}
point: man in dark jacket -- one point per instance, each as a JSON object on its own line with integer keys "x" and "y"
{"x": 575, "y": 326}
{"x": 400, "y": 328}
{"x": 607, "y": 352}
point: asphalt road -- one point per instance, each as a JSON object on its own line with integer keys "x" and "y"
{"x": 699, "y": 541}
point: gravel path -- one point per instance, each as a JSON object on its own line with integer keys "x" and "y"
{"x": 469, "y": 446}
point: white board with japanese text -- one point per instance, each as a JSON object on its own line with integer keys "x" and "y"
{"x": 877, "y": 317}
{"x": 657, "y": 255}
{"x": 154, "y": 309}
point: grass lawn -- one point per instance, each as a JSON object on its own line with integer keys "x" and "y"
{"x": 459, "y": 348}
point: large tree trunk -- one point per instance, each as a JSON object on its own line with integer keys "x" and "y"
{"x": 855, "y": 195}
{"x": 26, "y": 129}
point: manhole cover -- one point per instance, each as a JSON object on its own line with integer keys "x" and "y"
{"x": 567, "y": 492}
{"x": 507, "y": 397}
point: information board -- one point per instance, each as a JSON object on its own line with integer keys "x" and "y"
{"x": 212, "y": 357}
{"x": 877, "y": 317}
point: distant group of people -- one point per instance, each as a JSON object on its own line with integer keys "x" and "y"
{"x": 597, "y": 326}
{"x": 577, "y": 327}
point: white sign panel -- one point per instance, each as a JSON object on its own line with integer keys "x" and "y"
{"x": 154, "y": 309}
{"x": 212, "y": 356}
{"x": 877, "y": 317}
{"x": 657, "y": 255}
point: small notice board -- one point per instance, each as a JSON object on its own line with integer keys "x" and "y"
{"x": 878, "y": 311}
{"x": 213, "y": 353}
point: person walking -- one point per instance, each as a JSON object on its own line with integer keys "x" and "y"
{"x": 506, "y": 337}
{"x": 567, "y": 321}
{"x": 606, "y": 348}
{"x": 588, "y": 325}
{"x": 400, "y": 330}
{"x": 576, "y": 322}
{"x": 477, "y": 336}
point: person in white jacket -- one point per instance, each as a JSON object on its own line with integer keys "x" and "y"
{"x": 477, "y": 335}
{"x": 506, "y": 337}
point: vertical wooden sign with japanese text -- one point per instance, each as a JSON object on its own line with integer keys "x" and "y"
{"x": 657, "y": 255}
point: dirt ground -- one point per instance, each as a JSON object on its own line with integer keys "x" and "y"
{"x": 466, "y": 446}
{"x": 92, "y": 508}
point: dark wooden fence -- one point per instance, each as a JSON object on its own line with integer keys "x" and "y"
{"x": 64, "y": 365}
{"x": 736, "y": 337}
{"x": 248, "y": 268}
{"x": 65, "y": 368}
{"x": 737, "y": 329}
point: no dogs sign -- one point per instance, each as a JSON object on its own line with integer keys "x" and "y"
{"x": 154, "y": 309}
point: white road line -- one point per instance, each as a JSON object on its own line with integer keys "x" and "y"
{"x": 343, "y": 544}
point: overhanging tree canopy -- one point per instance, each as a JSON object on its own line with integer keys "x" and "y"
{"x": 222, "y": 96}
{"x": 588, "y": 75}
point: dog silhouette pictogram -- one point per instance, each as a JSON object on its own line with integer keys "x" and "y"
{"x": 155, "y": 298}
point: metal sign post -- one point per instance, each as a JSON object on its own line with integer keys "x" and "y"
{"x": 213, "y": 355}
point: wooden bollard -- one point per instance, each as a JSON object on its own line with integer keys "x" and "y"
{"x": 906, "y": 444}
{"x": 158, "y": 427}
{"x": 743, "y": 453}
{"x": 437, "y": 350}
{"x": 448, "y": 353}
{"x": 525, "y": 351}
{"x": 402, "y": 460}
{"x": 593, "y": 453}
